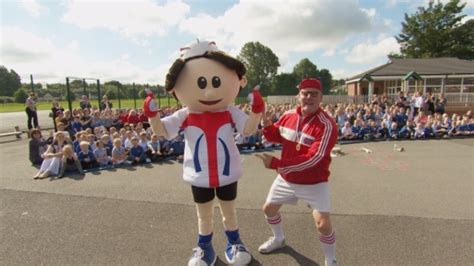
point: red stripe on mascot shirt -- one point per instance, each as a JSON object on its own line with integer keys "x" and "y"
{"x": 210, "y": 123}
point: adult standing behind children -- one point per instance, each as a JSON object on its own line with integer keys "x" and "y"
{"x": 105, "y": 103}
{"x": 85, "y": 103}
{"x": 307, "y": 135}
{"x": 31, "y": 113}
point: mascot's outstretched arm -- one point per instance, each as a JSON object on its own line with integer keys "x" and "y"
{"x": 258, "y": 107}
{"x": 151, "y": 111}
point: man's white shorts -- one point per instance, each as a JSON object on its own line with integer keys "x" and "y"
{"x": 317, "y": 195}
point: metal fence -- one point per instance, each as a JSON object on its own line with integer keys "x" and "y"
{"x": 453, "y": 99}
{"x": 327, "y": 99}
{"x": 460, "y": 99}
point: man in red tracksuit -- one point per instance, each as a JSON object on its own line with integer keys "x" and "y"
{"x": 307, "y": 135}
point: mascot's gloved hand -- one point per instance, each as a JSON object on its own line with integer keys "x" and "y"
{"x": 150, "y": 108}
{"x": 258, "y": 105}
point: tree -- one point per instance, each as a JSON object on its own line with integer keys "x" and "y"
{"x": 261, "y": 64}
{"x": 437, "y": 31}
{"x": 110, "y": 91}
{"x": 305, "y": 69}
{"x": 464, "y": 48}
{"x": 20, "y": 96}
{"x": 113, "y": 89}
{"x": 326, "y": 78}
{"x": 284, "y": 84}
{"x": 10, "y": 81}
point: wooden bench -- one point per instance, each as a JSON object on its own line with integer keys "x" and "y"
{"x": 16, "y": 133}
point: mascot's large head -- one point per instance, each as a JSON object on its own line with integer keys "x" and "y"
{"x": 204, "y": 78}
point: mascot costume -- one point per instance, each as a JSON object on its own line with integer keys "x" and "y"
{"x": 206, "y": 81}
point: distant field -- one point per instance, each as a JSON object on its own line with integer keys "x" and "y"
{"x": 127, "y": 103}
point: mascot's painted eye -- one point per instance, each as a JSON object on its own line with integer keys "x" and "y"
{"x": 216, "y": 82}
{"x": 202, "y": 82}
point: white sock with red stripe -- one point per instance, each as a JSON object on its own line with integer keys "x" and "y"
{"x": 276, "y": 226}
{"x": 328, "y": 244}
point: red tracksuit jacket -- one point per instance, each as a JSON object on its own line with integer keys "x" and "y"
{"x": 315, "y": 136}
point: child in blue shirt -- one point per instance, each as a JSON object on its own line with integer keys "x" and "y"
{"x": 408, "y": 131}
{"x": 119, "y": 154}
{"x": 137, "y": 154}
{"x": 86, "y": 156}
{"x": 393, "y": 131}
{"x": 401, "y": 118}
{"x": 154, "y": 148}
{"x": 428, "y": 131}
{"x": 108, "y": 145}
{"x": 177, "y": 145}
{"x": 100, "y": 154}
{"x": 76, "y": 124}
{"x": 364, "y": 132}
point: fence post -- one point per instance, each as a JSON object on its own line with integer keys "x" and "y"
{"x": 68, "y": 93}
{"x": 134, "y": 95}
{"x": 84, "y": 86}
{"x": 32, "y": 85}
{"x": 119, "y": 96}
{"x": 98, "y": 92}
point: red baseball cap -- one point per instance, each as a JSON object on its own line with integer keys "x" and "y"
{"x": 310, "y": 83}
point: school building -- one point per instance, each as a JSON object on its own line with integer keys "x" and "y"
{"x": 454, "y": 77}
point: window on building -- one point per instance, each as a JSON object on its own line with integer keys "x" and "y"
{"x": 394, "y": 86}
{"x": 452, "y": 89}
{"x": 468, "y": 89}
{"x": 434, "y": 82}
{"x": 452, "y": 81}
{"x": 433, "y": 89}
{"x": 468, "y": 81}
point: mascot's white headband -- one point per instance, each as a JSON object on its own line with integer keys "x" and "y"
{"x": 197, "y": 49}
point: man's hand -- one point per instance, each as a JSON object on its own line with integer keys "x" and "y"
{"x": 266, "y": 158}
{"x": 150, "y": 108}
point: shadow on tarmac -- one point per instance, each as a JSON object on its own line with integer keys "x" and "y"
{"x": 298, "y": 257}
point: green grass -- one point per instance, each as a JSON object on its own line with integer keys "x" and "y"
{"x": 126, "y": 103}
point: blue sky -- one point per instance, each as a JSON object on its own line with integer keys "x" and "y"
{"x": 137, "y": 41}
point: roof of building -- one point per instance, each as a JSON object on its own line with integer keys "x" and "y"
{"x": 422, "y": 66}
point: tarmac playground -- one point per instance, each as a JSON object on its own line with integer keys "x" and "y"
{"x": 389, "y": 208}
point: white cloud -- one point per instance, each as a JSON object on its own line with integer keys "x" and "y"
{"x": 135, "y": 20}
{"x": 329, "y": 52}
{"x": 343, "y": 51}
{"x": 51, "y": 63}
{"x": 17, "y": 47}
{"x": 370, "y": 12}
{"x": 372, "y": 51}
{"x": 32, "y": 7}
{"x": 300, "y": 27}
{"x": 466, "y": 18}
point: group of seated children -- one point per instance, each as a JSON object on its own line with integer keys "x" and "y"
{"x": 422, "y": 127}
{"x": 100, "y": 149}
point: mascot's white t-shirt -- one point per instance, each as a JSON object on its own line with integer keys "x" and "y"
{"x": 211, "y": 158}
